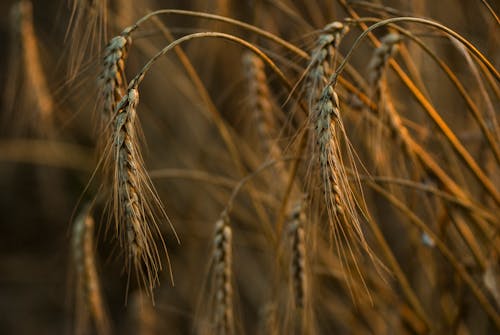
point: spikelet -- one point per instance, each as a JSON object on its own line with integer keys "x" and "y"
{"x": 88, "y": 291}
{"x": 136, "y": 206}
{"x": 223, "y": 306}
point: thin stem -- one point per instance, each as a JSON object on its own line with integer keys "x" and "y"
{"x": 237, "y": 23}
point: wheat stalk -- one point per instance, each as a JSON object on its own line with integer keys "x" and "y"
{"x": 26, "y": 74}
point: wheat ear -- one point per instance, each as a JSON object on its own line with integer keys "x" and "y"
{"x": 222, "y": 258}
{"x": 381, "y": 55}
{"x": 327, "y": 135}
{"x": 88, "y": 287}
{"x": 298, "y": 263}
{"x": 112, "y": 79}
{"x": 260, "y": 100}
{"x": 378, "y": 84}
{"x": 135, "y": 203}
{"x": 322, "y": 58}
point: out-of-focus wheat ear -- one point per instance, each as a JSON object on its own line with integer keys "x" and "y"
{"x": 136, "y": 205}
{"x": 31, "y": 78}
{"x": 378, "y": 145}
{"x": 86, "y": 33}
{"x": 223, "y": 317}
{"x": 89, "y": 300}
{"x": 260, "y": 100}
{"x": 298, "y": 255}
{"x": 322, "y": 59}
{"x": 381, "y": 55}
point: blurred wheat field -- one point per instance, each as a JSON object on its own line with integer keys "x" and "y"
{"x": 250, "y": 167}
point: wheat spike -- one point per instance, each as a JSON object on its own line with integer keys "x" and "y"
{"x": 298, "y": 264}
{"x": 260, "y": 100}
{"x": 136, "y": 204}
{"x": 88, "y": 288}
{"x": 112, "y": 79}
{"x": 222, "y": 258}
{"x": 387, "y": 49}
{"x": 322, "y": 58}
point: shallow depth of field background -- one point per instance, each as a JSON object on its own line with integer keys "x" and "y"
{"x": 44, "y": 172}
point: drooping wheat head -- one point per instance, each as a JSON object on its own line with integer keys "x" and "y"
{"x": 136, "y": 206}
{"x": 112, "y": 80}
{"x": 322, "y": 59}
